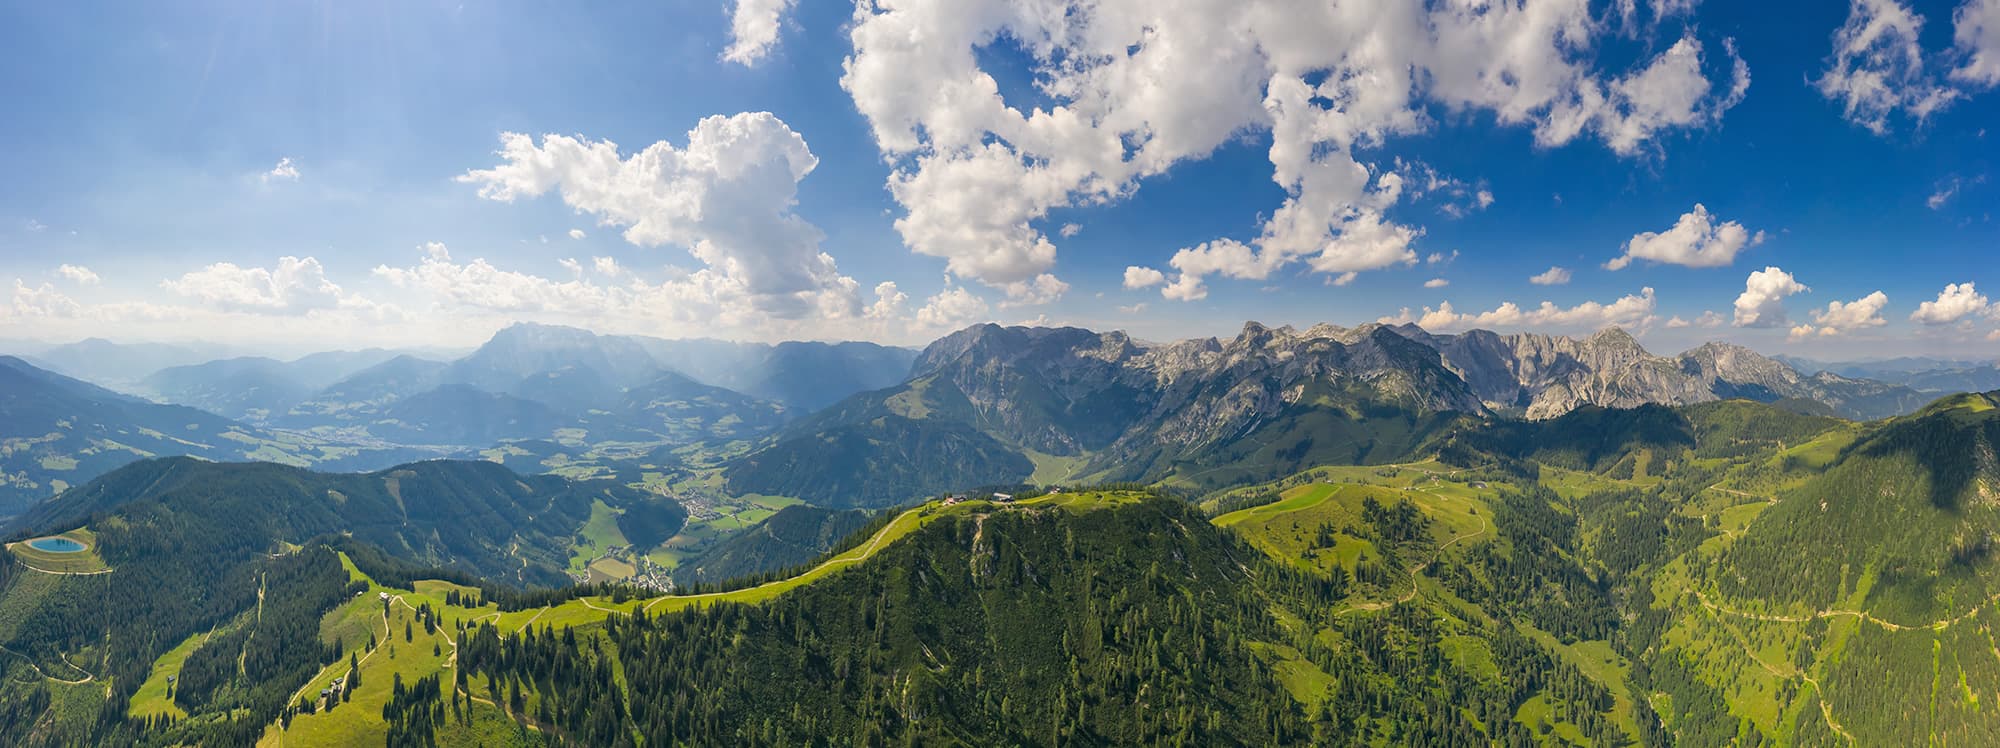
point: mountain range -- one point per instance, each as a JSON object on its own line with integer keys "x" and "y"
{"x": 57, "y": 432}
{"x": 530, "y": 381}
{"x": 991, "y": 404}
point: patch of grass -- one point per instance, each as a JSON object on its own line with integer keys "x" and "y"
{"x": 598, "y": 534}
{"x": 151, "y": 699}
{"x": 1305, "y": 681}
{"x": 85, "y": 561}
{"x": 1053, "y": 468}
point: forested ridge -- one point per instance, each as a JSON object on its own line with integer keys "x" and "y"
{"x": 1645, "y": 583}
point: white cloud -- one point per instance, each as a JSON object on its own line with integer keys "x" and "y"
{"x": 284, "y": 171}
{"x": 753, "y": 29}
{"x": 1070, "y": 230}
{"x": 1440, "y": 258}
{"x": 1455, "y": 198}
{"x": 1134, "y": 89}
{"x": 1043, "y": 289}
{"x": 1696, "y": 240}
{"x": 1976, "y": 35}
{"x": 1671, "y": 92}
{"x": 1436, "y": 283}
{"x": 1132, "y": 309}
{"x": 1957, "y": 301}
{"x": 1707, "y": 320}
{"x": 1943, "y": 195}
{"x": 1554, "y": 276}
{"x": 576, "y": 234}
{"x": 1841, "y": 318}
{"x": 607, "y": 266}
{"x": 1627, "y": 311}
{"x": 570, "y": 264}
{"x": 950, "y": 309}
{"x": 41, "y": 302}
{"x": 1878, "y": 67}
{"x": 77, "y": 274}
{"x": 295, "y": 286}
{"x": 35, "y": 225}
{"x": 727, "y": 197}
{"x": 1138, "y": 277}
{"x": 889, "y": 302}
{"x": 1762, "y": 303}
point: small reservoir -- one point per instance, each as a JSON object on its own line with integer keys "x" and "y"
{"x": 55, "y": 545}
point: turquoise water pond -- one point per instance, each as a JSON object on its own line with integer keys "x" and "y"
{"x": 55, "y": 545}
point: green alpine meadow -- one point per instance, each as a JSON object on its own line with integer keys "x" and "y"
{"x": 1000, "y": 373}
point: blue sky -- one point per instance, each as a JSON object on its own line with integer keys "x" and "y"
{"x": 328, "y": 174}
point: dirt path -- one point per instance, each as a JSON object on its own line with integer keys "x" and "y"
{"x": 1414, "y": 572}
{"x": 87, "y": 677}
{"x": 1788, "y": 673}
{"x": 1939, "y": 625}
{"x": 1734, "y": 492}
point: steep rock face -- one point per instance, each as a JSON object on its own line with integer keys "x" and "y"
{"x": 1056, "y": 390}
{"x": 1545, "y": 376}
{"x": 1211, "y": 389}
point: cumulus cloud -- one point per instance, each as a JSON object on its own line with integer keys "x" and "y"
{"x": 77, "y": 274}
{"x": 1440, "y": 258}
{"x": 285, "y": 171}
{"x": 41, "y": 302}
{"x": 1070, "y": 230}
{"x": 1436, "y": 283}
{"x": 295, "y": 286}
{"x": 1138, "y": 277}
{"x": 1634, "y": 310}
{"x": 1132, "y": 309}
{"x": 1042, "y": 289}
{"x": 951, "y": 308}
{"x": 1708, "y": 319}
{"x": 1697, "y": 240}
{"x": 1762, "y": 303}
{"x": 889, "y": 302}
{"x": 753, "y": 29}
{"x": 1841, "y": 318}
{"x": 1554, "y": 276}
{"x": 727, "y": 197}
{"x": 1134, "y": 89}
{"x": 1956, "y": 302}
{"x": 576, "y": 234}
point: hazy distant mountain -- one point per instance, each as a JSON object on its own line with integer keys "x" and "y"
{"x": 122, "y": 365}
{"x": 253, "y": 388}
{"x": 600, "y": 387}
{"x": 359, "y": 397}
{"x": 525, "y": 350}
{"x": 458, "y": 414}
{"x": 1888, "y": 369}
{"x": 59, "y": 431}
{"x": 803, "y": 375}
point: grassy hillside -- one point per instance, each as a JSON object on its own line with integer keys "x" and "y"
{"x": 1722, "y": 574}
